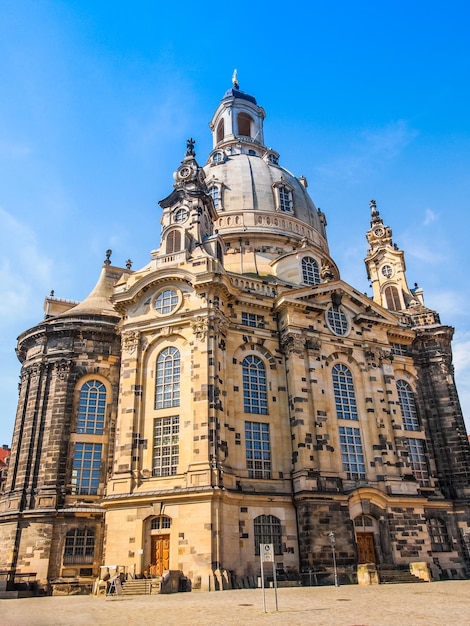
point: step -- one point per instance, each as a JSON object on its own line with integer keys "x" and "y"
{"x": 397, "y": 577}
{"x": 140, "y": 587}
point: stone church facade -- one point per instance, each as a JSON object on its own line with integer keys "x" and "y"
{"x": 234, "y": 392}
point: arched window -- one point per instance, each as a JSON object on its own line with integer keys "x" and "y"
{"x": 167, "y": 384}
{"x": 220, "y": 254}
{"x": 310, "y": 271}
{"x": 343, "y": 388}
{"x": 363, "y": 521}
{"x": 267, "y": 529}
{"x": 220, "y": 131}
{"x": 173, "y": 242}
{"x": 161, "y": 522}
{"x": 407, "y": 405}
{"x": 439, "y": 536}
{"x": 79, "y": 546}
{"x": 392, "y": 298}
{"x": 284, "y": 198}
{"x": 244, "y": 124}
{"x": 214, "y": 193}
{"x": 255, "y": 398}
{"x": 91, "y": 408}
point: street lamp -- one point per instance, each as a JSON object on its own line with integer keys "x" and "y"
{"x": 332, "y": 539}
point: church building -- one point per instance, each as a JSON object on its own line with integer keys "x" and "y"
{"x": 236, "y": 392}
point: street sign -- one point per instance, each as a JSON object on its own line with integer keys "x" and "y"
{"x": 267, "y": 552}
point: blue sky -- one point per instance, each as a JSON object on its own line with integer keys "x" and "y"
{"x": 366, "y": 99}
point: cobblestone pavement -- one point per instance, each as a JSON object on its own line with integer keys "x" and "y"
{"x": 438, "y": 603}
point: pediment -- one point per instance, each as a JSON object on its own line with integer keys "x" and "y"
{"x": 319, "y": 297}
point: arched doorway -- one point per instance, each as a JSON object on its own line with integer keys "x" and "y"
{"x": 365, "y": 528}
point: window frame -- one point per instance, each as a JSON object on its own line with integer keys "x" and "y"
{"x": 310, "y": 271}
{"x": 92, "y": 394}
{"x": 258, "y": 450}
{"x": 267, "y": 529}
{"x": 392, "y": 298}
{"x": 79, "y": 546}
{"x": 255, "y": 385}
{"x": 165, "y": 446}
{"x": 167, "y": 378}
{"x": 344, "y": 392}
{"x": 352, "y": 453}
{"x": 86, "y": 468}
{"x": 166, "y": 301}
{"x": 406, "y": 401}
{"x": 252, "y": 320}
{"x": 439, "y": 535}
{"x": 417, "y": 460}
{"x": 337, "y": 320}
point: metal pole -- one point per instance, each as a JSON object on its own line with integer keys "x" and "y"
{"x": 262, "y": 581}
{"x": 332, "y": 542}
{"x": 275, "y": 583}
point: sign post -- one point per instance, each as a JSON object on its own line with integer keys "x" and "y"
{"x": 267, "y": 556}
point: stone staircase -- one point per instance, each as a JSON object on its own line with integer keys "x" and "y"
{"x": 397, "y": 576}
{"x": 140, "y": 586}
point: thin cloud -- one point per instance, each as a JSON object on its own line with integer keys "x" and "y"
{"x": 430, "y": 217}
{"x": 23, "y": 267}
{"x": 376, "y": 147}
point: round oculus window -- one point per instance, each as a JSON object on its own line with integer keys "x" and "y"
{"x": 166, "y": 302}
{"x": 337, "y": 320}
{"x": 181, "y": 215}
{"x": 184, "y": 172}
{"x": 387, "y": 271}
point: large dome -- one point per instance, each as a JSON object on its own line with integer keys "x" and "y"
{"x": 252, "y": 183}
{"x": 252, "y": 193}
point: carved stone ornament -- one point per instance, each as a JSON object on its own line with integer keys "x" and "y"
{"x": 36, "y": 370}
{"x": 200, "y": 326}
{"x": 326, "y": 273}
{"x": 130, "y": 341}
{"x": 218, "y": 323}
{"x": 291, "y": 342}
{"x": 63, "y": 368}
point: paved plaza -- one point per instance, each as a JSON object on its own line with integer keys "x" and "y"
{"x": 429, "y": 604}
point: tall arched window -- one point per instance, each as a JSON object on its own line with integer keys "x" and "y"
{"x": 310, "y": 271}
{"x": 214, "y": 193}
{"x": 267, "y": 529}
{"x": 392, "y": 298}
{"x": 167, "y": 384}
{"x": 407, "y": 405}
{"x": 244, "y": 124}
{"x": 79, "y": 546}
{"x": 91, "y": 408}
{"x": 343, "y": 388}
{"x": 255, "y": 397}
{"x": 173, "y": 242}
{"x": 220, "y": 131}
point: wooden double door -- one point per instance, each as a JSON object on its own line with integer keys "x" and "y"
{"x": 160, "y": 558}
{"x": 365, "y": 548}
